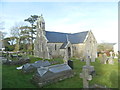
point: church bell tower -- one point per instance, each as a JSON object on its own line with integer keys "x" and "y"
{"x": 40, "y": 46}
{"x": 41, "y": 23}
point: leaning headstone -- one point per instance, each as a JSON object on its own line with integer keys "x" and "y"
{"x": 86, "y": 77}
{"x": 51, "y": 74}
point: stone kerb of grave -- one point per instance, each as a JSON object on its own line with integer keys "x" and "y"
{"x": 51, "y": 74}
{"x": 33, "y": 66}
{"x": 17, "y": 62}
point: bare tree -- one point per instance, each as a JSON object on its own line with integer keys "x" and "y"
{"x": 15, "y": 35}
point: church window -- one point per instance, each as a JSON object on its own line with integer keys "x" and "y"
{"x": 55, "y": 47}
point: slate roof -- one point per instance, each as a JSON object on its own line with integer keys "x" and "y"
{"x": 58, "y": 37}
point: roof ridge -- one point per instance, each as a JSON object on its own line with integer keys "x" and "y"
{"x": 80, "y": 32}
{"x": 67, "y": 33}
{"x": 57, "y": 32}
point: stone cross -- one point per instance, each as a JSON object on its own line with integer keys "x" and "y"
{"x": 86, "y": 77}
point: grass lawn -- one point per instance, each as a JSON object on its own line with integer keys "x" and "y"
{"x": 106, "y": 75}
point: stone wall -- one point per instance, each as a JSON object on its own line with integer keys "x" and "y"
{"x": 78, "y": 50}
{"x": 54, "y": 50}
{"x": 40, "y": 45}
{"x": 90, "y": 46}
{"x": 87, "y": 48}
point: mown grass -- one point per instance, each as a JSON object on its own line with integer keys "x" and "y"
{"x": 106, "y": 75}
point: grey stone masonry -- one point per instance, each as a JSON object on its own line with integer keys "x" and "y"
{"x": 40, "y": 46}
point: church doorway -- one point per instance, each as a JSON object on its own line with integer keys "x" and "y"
{"x": 69, "y": 52}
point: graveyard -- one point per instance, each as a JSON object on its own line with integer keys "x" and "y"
{"x": 106, "y": 75}
{"x": 54, "y": 62}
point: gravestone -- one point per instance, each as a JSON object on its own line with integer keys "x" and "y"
{"x": 86, "y": 77}
{"x": 3, "y": 60}
{"x": 33, "y": 66}
{"x": 103, "y": 58}
{"x": 17, "y": 62}
{"x": 111, "y": 54}
{"x": 110, "y": 60}
{"x": 115, "y": 55}
{"x": 51, "y": 74}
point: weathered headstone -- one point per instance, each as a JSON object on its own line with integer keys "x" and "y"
{"x": 115, "y": 55}
{"x": 111, "y": 54}
{"x": 110, "y": 60}
{"x": 103, "y": 58}
{"x": 86, "y": 77}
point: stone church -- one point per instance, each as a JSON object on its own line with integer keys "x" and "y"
{"x": 50, "y": 45}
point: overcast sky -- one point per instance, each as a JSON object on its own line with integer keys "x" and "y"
{"x": 70, "y": 17}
